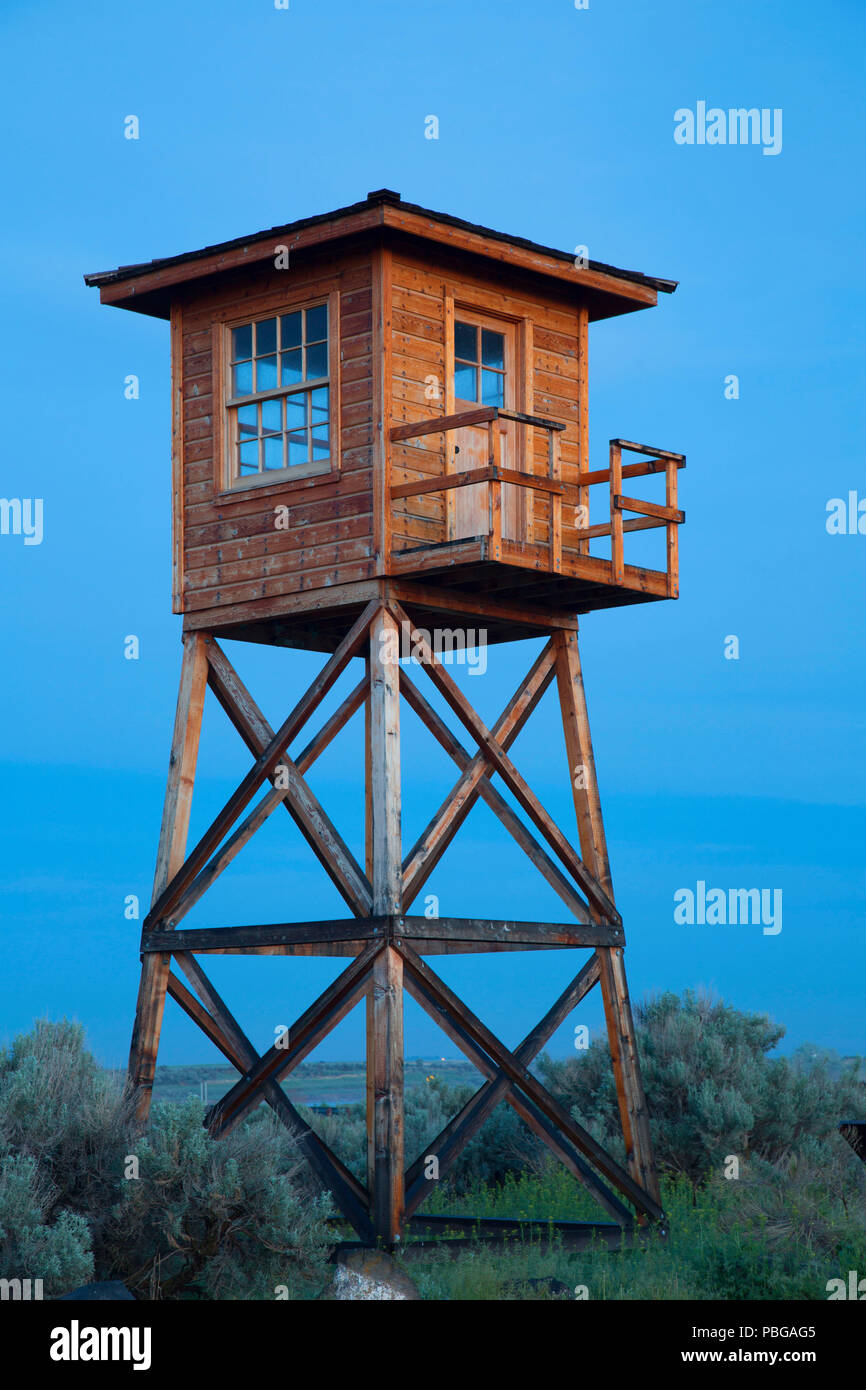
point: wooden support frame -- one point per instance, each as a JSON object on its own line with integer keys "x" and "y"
{"x": 387, "y": 947}
{"x": 169, "y": 857}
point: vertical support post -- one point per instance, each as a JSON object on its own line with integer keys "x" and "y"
{"x": 177, "y": 490}
{"x": 583, "y": 421}
{"x": 448, "y": 459}
{"x": 382, "y": 349}
{"x": 634, "y": 1116}
{"x": 593, "y": 846}
{"x": 368, "y": 869}
{"x": 672, "y": 529}
{"x": 581, "y": 760}
{"x": 385, "y": 1002}
{"x": 616, "y": 560}
{"x": 494, "y": 490}
{"x": 553, "y": 455}
{"x": 170, "y": 856}
{"x": 525, "y": 529}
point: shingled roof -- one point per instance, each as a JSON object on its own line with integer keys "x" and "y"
{"x": 149, "y": 282}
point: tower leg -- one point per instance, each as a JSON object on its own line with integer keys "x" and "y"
{"x": 385, "y": 1003}
{"x": 617, "y": 1006}
{"x": 368, "y": 868}
{"x": 170, "y": 856}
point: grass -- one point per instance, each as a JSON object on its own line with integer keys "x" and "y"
{"x": 707, "y": 1254}
{"x": 317, "y": 1083}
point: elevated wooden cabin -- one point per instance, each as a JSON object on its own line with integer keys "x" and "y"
{"x": 385, "y": 393}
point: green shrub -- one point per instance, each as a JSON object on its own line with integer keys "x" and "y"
{"x": 712, "y": 1089}
{"x": 502, "y": 1146}
{"x": 60, "y": 1109}
{"x": 227, "y": 1219}
{"x": 216, "y": 1219}
{"x": 31, "y": 1246}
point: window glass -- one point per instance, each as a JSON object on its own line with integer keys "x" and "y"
{"x": 465, "y": 388}
{"x": 242, "y": 342}
{"x": 317, "y": 323}
{"x": 266, "y": 373}
{"x": 479, "y": 364}
{"x": 242, "y": 379}
{"x": 291, "y": 330}
{"x": 466, "y": 341}
{"x": 266, "y": 337}
{"x": 492, "y": 388}
{"x": 283, "y": 423}
{"x": 317, "y": 361}
{"x": 492, "y": 349}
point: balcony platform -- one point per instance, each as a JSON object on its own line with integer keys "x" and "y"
{"x": 508, "y": 588}
{"x": 582, "y": 584}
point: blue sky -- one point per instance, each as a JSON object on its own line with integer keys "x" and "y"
{"x": 555, "y": 124}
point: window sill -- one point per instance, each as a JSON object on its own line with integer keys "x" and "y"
{"x": 285, "y": 483}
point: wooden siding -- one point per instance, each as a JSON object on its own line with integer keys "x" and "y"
{"x": 232, "y": 551}
{"x": 396, "y": 310}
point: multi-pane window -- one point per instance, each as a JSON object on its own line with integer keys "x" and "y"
{"x": 479, "y": 364}
{"x": 279, "y": 413}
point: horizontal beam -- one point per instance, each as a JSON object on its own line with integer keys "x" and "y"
{"x": 647, "y": 449}
{"x": 522, "y": 933}
{"x": 417, "y": 929}
{"x": 442, "y": 482}
{"x": 446, "y": 482}
{"x": 482, "y": 416}
{"x": 493, "y": 1227}
{"x": 644, "y": 523}
{"x": 240, "y": 939}
{"x": 635, "y": 504}
{"x": 467, "y": 418}
{"x": 479, "y": 606}
{"x": 629, "y": 470}
{"x": 536, "y": 421}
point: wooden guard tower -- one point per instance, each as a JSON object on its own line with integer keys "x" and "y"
{"x": 379, "y": 421}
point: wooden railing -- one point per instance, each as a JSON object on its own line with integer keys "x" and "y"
{"x": 649, "y": 514}
{"x": 574, "y": 493}
{"x": 494, "y": 473}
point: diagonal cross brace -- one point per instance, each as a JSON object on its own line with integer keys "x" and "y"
{"x": 493, "y": 751}
{"x": 301, "y": 803}
{"x": 219, "y": 1024}
{"x": 263, "y": 767}
{"x": 448, "y": 1145}
{"x": 304, "y": 1035}
{"x": 529, "y": 1113}
{"x": 497, "y": 803}
{"x": 447, "y": 1003}
{"x": 441, "y": 830}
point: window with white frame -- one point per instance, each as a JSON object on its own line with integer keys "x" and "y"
{"x": 279, "y": 395}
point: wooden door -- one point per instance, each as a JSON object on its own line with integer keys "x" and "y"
{"x": 484, "y": 374}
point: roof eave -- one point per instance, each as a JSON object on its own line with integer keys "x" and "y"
{"x": 147, "y": 287}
